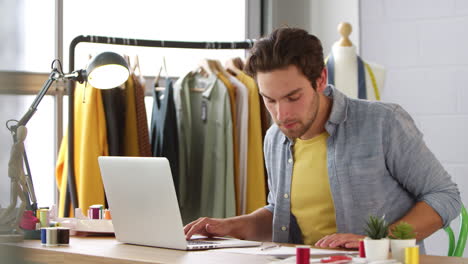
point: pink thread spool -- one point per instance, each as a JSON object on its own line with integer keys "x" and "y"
{"x": 303, "y": 254}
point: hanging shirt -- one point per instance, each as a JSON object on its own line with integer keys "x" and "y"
{"x": 256, "y": 194}
{"x": 241, "y": 130}
{"x": 205, "y": 148}
{"x": 131, "y": 132}
{"x": 90, "y": 142}
{"x": 231, "y": 89}
{"x": 144, "y": 146}
{"x": 164, "y": 138}
{"x": 314, "y": 210}
{"x": 114, "y": 108}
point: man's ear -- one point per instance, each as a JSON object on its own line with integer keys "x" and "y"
{"x": 322, "y": 80}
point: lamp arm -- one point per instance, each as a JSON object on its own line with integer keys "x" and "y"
{"x": 54, "y": 75}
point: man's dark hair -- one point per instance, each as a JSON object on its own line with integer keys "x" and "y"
{"x": 284, "y": 47}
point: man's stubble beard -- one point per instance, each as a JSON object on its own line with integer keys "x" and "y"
{"x": 303, "y": 126}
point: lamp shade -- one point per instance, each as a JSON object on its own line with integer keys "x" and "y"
{"x": 107, "y": 70}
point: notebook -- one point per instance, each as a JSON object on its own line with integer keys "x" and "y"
{"x": 143, "y": 203}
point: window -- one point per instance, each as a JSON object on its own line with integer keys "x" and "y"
{"x": 28, "y": 43}
{"x": 27, "y": 34}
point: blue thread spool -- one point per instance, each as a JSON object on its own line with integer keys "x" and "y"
{"x": 44, "y": 235}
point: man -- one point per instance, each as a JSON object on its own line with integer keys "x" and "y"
{"x": 332, "y": 161}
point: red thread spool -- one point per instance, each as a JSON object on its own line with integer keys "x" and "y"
{"x": 362, "y": 251}
{"x": 302, "y": 254}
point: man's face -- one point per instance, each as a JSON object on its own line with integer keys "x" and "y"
{"x": 289, "y": 97}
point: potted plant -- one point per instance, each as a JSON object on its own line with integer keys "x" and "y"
{"x": 402, "y": 236}
{"x": 376, "y": 243}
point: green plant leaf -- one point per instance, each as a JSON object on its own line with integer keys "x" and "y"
{"x": 376, "y": 228}
{"x": 403, "y": 230}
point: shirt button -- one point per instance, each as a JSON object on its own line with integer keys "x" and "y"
{"x": 286, "y": 196}
{"x": 290, "y": 160}
{"x": 284, "y": 228}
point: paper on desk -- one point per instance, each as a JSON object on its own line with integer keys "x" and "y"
{"x": 282, "y": 251}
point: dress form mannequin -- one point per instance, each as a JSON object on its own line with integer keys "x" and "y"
{"x": 346, "y": 67}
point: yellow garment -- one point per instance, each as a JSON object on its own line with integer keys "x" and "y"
{"x": 90, "y": 142}
{"x": 232, "y": 99}
{"x": 311, "y": 200}
{"x": 130, "y": 147}
{"x": 256, "y": 192}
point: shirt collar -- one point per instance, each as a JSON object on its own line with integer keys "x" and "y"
{"x": 212, "y": 82}
{"x": 190, "y": 78}
{"x": 338, "y": 113}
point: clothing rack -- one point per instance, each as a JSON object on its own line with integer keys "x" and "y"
{"x": 71, "y": 195}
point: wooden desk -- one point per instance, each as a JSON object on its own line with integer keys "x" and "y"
{"x": 107, "y": 250}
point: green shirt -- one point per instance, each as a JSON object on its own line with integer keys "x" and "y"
{"x": 206, "y": 165}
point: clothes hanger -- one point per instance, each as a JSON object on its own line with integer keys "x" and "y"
{"x": 239, "y": 63}
{"x": 156, "y": 81}
{"x": 205, "y": 67}
{"x": 136, "y": 65}
{"x": 219, "y": 67}
{"x": 160, "y": 88}
{"x": 234, "y": 66}
{"x": 127, "y": 59}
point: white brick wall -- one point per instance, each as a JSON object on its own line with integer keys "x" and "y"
{"x": 423, "y": 44}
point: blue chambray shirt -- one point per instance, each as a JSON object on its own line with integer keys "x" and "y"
{"x": 378, "y": 164}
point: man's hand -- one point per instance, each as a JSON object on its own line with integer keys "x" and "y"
{"x": 254, "y": 226}
{"x": 340, "y": 240}
{"x": 208, "y": 227}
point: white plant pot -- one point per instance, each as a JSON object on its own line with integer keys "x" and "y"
{"x": 376, "y": 249}
{"x": 398, "y": 248}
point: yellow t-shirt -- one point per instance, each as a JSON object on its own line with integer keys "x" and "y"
{"x": 311, "y": 200}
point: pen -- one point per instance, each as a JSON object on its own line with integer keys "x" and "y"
{"x": 270, "y": 247}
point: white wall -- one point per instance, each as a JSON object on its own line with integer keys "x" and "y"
{"x": 319, "y": 17}
{"x": 327, "y": 14}
{"x": 423, "y": 45}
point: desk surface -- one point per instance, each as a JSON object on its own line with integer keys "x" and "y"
{"x": 108, "y": 250}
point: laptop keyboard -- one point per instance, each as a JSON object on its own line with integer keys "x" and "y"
{"x": 201, "y": 242}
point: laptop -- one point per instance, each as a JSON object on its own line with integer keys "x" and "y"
{"x": 143, "y": 203}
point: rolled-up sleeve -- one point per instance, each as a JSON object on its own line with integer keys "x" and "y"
{"x": 418, "y": 170}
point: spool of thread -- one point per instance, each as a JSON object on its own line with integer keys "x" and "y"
{"x": 44, "y": 235}
{"x": 63, "y": 235}
{"x": 362, "y": 251}
{"x": 44, "y": 217}
{"x": 100, "y": 209}
{"x": 412, "y": 255}
{"x": 107, "y": 215}
{"x": 94, "y": 213}
{"x": 51, "y": 239}
{"x": 303, "y": 254}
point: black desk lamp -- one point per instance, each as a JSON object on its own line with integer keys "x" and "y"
{"x": 106, "y": 70}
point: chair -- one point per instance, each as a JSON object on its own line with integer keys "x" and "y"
{"x": 456, "y": 250}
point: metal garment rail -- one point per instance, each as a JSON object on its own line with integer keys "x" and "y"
{"x": 71, "y": 195}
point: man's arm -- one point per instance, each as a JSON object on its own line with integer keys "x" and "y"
{"x": 254, "y": 226}
{"x": 422, "y": 217}
{"x": 417, "y": 169}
